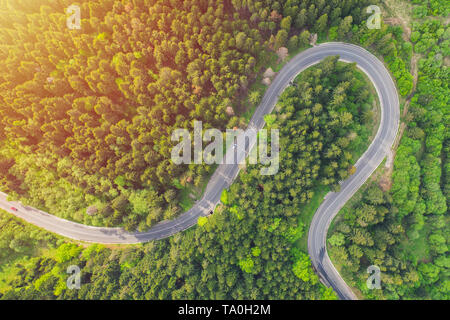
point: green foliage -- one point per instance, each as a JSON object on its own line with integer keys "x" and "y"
{"x": 67, "y": 252}
{"x": 431, "y": 8}
{"x": 274, "y": 225}
{"x": 302, "y": 268}
{"x": 224, "y": 196}
{"x": 18, "y": 239}
{"x": 281, "y": 38}
{"x": 256, "y": 251}
{"x": 388, "y": 41}
{"x": 329, "y": 294}
{"x": 247, "y": 264}
{"x": 332, "y": 33}
{"x": 237, "y": 212}
{"x": 426, "y": 35}
{"x": 270, "y": 119}
{"x": 202, "y": 221}
{"x": 91, "y": 251}
{"x": 337, "y": 239}
{"x": 295, "y": 233}
{"x": 254, "y": 97}
{"x": 406, "y": 177}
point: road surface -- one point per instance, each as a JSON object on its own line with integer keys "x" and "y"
{"x": 226, "y": 173}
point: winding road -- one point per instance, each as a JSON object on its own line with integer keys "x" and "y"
{"x": 226, "y": 173}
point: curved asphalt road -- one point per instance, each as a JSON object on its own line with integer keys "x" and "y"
{"x": 226, "y": 173}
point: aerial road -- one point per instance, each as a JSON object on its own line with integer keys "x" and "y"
{"x": 226, "y": 173}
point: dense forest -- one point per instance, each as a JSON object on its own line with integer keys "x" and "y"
{"x": 87, "y": 115}
{"x": 431, "y": 8}
{"x": 246, "y": 249}
{"x": 405, "y": 231}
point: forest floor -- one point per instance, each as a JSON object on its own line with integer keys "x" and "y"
{"x": 417, "y": 250}
{"x": 189, "y": 193}
{"x": 400, "y": 11}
